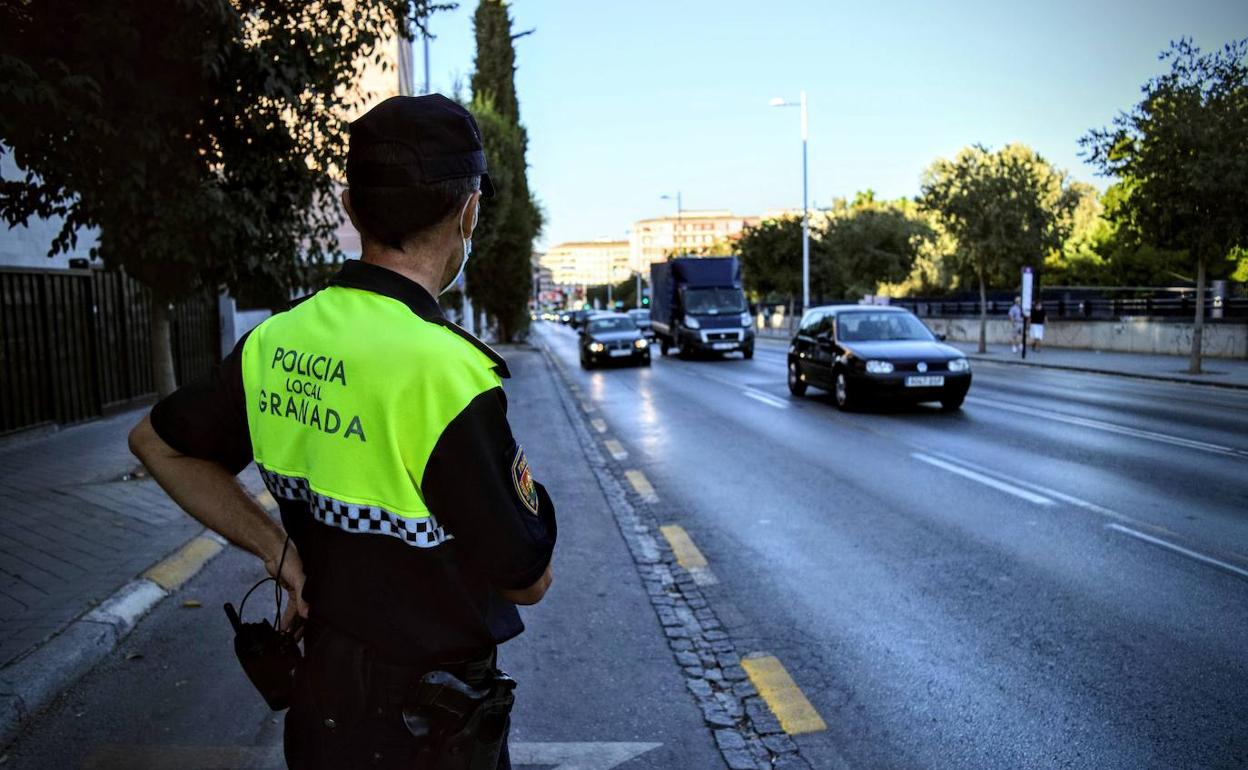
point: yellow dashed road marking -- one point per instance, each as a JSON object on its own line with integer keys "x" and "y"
{"x": 783, "y": 696}
{"x": 599, "y": 424}
{"x": 616, "y": 449}
{"x": 687, "y": 554}
{"x": 642, "y": 485}
{"x": 587, "y": 407}
{"x": 181, "y": 566}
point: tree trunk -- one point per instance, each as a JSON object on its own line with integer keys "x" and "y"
{"x": 983, "y": 314}
{"x": 1198, "y": 326}
{"x": 163, "y": 376}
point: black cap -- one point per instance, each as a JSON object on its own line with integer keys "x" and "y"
{"x": 441, "y": 138}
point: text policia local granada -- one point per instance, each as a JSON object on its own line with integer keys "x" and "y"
{"x": 306, "y": 375}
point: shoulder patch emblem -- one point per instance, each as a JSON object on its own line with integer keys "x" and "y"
{"x": 522, "y": 477}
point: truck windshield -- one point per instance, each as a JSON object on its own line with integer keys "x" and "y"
{"x": 875, "y": 327}
{"x": 712, "y": 301}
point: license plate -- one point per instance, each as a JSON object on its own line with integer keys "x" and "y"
{"x": 620, "y": 353}
{"x": 723, "y": 346}
{"x": 924, "y": 382}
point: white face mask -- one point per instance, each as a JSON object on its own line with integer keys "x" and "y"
{"x": 467, "y": 244}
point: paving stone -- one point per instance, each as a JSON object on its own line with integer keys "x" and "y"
{"x": 680, "y": 645}
{"x": 715, "y": 716}
{"x": 688, "y": 659}
{"x": 740, "y": 759}
{"x": 723, "y": 645}
{"x": 735, "y": 674}
{"x": 714, "y": 636}
{"x": 694, "y": 671}
{"x": 699, "y": 687}
{"x": 779, "y": 744}
{"x": 726, "y": 659}
{"x": 727, "y": 740}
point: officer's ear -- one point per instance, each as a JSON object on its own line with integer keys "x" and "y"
{"x": 468, "y": 215}
{"x": 346, "y": 204}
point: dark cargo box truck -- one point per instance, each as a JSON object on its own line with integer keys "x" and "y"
{"x": 697, "y": 305}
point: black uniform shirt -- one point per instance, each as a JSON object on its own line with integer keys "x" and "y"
{"x": 419, "y": 606}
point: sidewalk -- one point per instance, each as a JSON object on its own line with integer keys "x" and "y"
{"x": 75, "y": 530}
{"x": 1222, "y": 372}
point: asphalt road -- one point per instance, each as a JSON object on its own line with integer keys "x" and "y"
{"x": 1056, "y": 576}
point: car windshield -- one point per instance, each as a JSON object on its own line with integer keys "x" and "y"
{"x": 620, "y": 324}
{"x": 712, "y": 301}
{"x": 639, "y": 315}
{"x": 873, "y": 327}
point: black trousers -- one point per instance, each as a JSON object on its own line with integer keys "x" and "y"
{"x": 346, "y": 712}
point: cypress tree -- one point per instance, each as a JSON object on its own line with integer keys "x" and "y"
{"x": 499, "y": 274}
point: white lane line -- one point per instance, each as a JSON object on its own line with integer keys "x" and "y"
{"x": 766, "y": 399}
{"x": 1109, "y": 427}
{"x": 1200, "y": 557}
{"x": 1009, "y": 489}
{"x": 1046, "y": 491}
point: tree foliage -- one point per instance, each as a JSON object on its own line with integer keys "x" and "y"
{"x": 874, "y": 242}
{"x": 1182, "y": 151}
{"x": 1006, "y": 209}
{"x": 499, "y": 273}
{"x": 771, "y": 260}
{"x": 199, "y": 136}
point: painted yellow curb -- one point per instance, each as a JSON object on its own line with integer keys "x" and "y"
{"x": 599, "y": 424}
{"x": 642, "y": 485}
{"x": 687, "y": 554}
{"x": 182, "y": 566}
{"x": 616, "y": 449}
{"x": 783, "y": 696}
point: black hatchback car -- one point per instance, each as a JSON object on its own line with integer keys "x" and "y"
{"x": 862, "y": 351}
{"x": 612, "y": 337}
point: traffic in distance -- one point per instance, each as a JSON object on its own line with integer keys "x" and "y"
{"x": 858, "y": 353}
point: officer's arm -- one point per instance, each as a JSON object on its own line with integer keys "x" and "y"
{"x": 478, "y": 485}
{"x": 533, "y": 594}
{"x": 194, "y": 443}
{"x": 210, "y": 492}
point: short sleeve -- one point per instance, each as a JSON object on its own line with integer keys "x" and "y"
{"x": 479, "y": 486}
{"x": 207, "y": 418}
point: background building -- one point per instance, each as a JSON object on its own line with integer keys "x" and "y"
{"x": 690, "y": 232}
{"x": 589, "y": 263}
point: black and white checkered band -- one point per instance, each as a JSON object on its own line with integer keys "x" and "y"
{"x": 421, "y": 532}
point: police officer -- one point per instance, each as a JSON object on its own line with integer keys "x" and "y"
{"x": 415, "y": 525}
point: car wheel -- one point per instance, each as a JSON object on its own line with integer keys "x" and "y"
{"x": 797, "y": 386}
{"x": 748, "y": 352}
{"x": 585, "y": 364}
{"x": 645, "y": 361}
{"x": 844, "y": 399}
{"x": 953, "y": 403}
{"x": 664, "y": 348}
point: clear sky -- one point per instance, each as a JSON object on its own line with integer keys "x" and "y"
{"x": 626, "y": 101}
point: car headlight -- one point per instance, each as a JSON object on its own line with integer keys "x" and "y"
{"x": 596, "y": 347}
{"x": 692, "y": 323}
{"x": 959, "y": 365}
{"x": 746, "y": 320}
{"x": 640, "y": 344}
{"x": 879, "y": 367}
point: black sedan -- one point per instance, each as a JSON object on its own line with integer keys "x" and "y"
{"x": 863, "y": 351}
{"x": 612, "y": 337}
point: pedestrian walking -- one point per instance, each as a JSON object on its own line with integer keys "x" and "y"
{"x": 1038, "y": 315}
{"x": 411, "y": 524}
{"x": 1016, "y": 322}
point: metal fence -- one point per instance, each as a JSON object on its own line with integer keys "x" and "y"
{"x": 1084, "y": 304}
{"x": 76, "y": 344}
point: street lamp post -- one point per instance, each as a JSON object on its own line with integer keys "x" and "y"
{"x": 779, "y": 102}
{"x": 679, "y": 213}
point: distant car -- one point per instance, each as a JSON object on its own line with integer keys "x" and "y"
{"x": 565, "y": 317}
{"x": 612, "y": 337}
{"x": 641, "y": 317}
{"x": 861, "y": 351}
{"x": 577, "y": 319}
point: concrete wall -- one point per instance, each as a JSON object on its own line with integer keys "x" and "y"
{"x": 1131, "y": 335}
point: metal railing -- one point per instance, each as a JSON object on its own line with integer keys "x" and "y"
{"x": 76, "y": 344}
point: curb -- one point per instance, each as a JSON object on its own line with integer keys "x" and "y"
{"x": 31, "y": 683}
{"x": 1110, "y": 372}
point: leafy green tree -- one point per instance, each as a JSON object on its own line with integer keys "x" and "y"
{"x": 771, "y": 261}
{"x": 874, "y": 242}
{"x": 200, "y": 137}
{"x": 1006, "y": 209}
{"x": 1183, "y": 149}
{"x": 499, "y": 274}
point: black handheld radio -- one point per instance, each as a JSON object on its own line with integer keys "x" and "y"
{"x": 268, "y": 656}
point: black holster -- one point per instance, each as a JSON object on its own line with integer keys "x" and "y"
{"x": 463, "y": 727}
